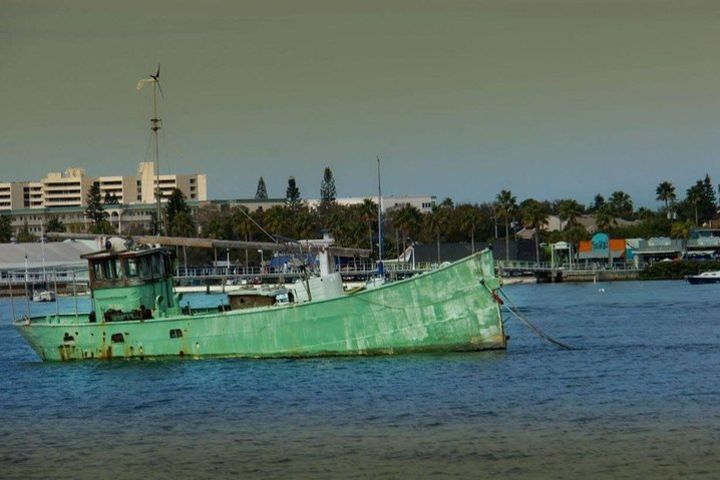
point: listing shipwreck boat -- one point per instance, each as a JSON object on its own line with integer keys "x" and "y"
{"x": 136, "y": 314}
{"x": 704, "y": 277}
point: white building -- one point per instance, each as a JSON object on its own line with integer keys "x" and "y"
{"x": 70, "y": 188}
{"x": 424, "y": 203}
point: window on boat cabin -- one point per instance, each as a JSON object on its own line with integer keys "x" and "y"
{"x": 118, "y": 267}
{"x": 97, "y": 270}
{"x": 132, "y": 268}
{"x": 155, "y": 265}
{"x": 145, "y": 268}
{"x": 108, "y": 270}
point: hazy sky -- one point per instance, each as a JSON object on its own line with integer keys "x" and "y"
{"x": 550, "y": 99}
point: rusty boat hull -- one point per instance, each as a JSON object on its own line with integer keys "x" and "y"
{"x": 452, "y": 308}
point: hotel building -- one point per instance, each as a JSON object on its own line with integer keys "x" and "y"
{"x": 64, "y": 196}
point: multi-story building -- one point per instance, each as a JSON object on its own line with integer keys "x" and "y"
{"x": 67, "y": 189}
{"x": 64, "y": 196}
{"x": 194, "y": 187}
{"x": 6, "y": 196}
{"x": 70, "y": 188}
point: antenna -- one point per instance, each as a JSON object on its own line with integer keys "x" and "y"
{"x": 154, "y": 80}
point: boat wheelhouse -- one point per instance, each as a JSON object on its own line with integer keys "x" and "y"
{"x": 132, "y": 284}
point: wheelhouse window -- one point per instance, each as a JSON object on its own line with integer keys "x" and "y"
{"x": 156, "y": 265}
{"x": 118, "y": 267}
{"x": 97, "y": 270}
{"x": 132, "y": 268}
{"x": 145, "y": 268}
{"x": 108, "y": 270}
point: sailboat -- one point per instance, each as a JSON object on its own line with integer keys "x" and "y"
{"x": 43, "y": 295}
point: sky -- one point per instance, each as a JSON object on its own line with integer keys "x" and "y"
{"x": 548, "y": 98}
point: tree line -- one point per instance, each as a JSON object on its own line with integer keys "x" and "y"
{"x": 356, "y": 225}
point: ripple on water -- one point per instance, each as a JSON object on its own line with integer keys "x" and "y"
{"x": 638, "y": 399}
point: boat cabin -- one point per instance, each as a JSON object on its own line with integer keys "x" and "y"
{"x": 131, "y": 284}
{"x": 120, "y": 269}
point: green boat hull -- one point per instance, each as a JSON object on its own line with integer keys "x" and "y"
{"x": 449, "y": 309}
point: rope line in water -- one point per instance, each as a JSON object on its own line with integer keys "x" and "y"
{"x": 510, "y": 306}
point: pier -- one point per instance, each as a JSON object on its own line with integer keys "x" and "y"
{"x": 545, "y": 272}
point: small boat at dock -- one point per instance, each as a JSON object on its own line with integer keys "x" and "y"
{"x": 43, "y": 296}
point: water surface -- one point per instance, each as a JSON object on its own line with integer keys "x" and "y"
{"x": 640, "y": 398}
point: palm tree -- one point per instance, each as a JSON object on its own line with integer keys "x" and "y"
{"x": 406, "y": 220}
{"x": 621, "y": 204}
{"x": 242, "y": 226}
{"x": 469, "y": 221}
{"x": 435, "y": 221}
{"x": 507, "y": 204}
{"x": 277, "y": 219}
{"x": 305, "y": 223}
{"x": 369, "y": 214}
{"x": 604, "y": 219}
{"x": 665, "y": 193}
{"x": 694, "y": 197}
{"x": 568, "y": 211}
{"x": 535, "y": 216}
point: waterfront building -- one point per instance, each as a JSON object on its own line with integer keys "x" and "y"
{"x": 655, "y": 249}
{"x": 595, "y": 250}
{"x": 70, "y": 189}
{"x": 424, "y": 203}
{"x": 703, "y": 243}
{"x": 64, "y": 196}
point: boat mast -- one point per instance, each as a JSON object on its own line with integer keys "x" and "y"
{"x": 380, "y": 214}
{"x": 155, "y": 126}
{"x": 42, "y": 249}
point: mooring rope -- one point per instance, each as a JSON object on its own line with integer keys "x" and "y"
{"x": 510, "y": 306}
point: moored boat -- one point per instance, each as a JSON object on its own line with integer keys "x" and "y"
{"x": 43, "y": 296}
{"x": 135, "y": 314}
{"x": 704, "y": 277}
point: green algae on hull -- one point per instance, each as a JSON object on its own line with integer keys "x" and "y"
{"x": 449, "y": 309}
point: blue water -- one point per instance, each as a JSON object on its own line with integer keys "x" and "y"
{"x": 639, "y": 399}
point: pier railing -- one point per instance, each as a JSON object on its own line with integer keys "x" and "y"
{"x": 516, "y": 266}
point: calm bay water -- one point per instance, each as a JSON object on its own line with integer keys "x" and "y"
{"x": 639, "y": 399}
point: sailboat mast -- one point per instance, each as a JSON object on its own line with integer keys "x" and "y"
{"x": 42, "y": 248}
{"x": 155, "y": 126}
{"x": 380, "y": 214}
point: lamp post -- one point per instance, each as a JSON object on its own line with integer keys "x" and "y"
{"x": 262, "y": 259}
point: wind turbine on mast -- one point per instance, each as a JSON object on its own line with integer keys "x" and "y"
{"x": 154, "y": 80}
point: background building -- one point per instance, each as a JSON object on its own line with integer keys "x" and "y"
{"x": 424, "y": 203}
{"x": 70, "y": 188}
{"x": 64, "y": 196}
